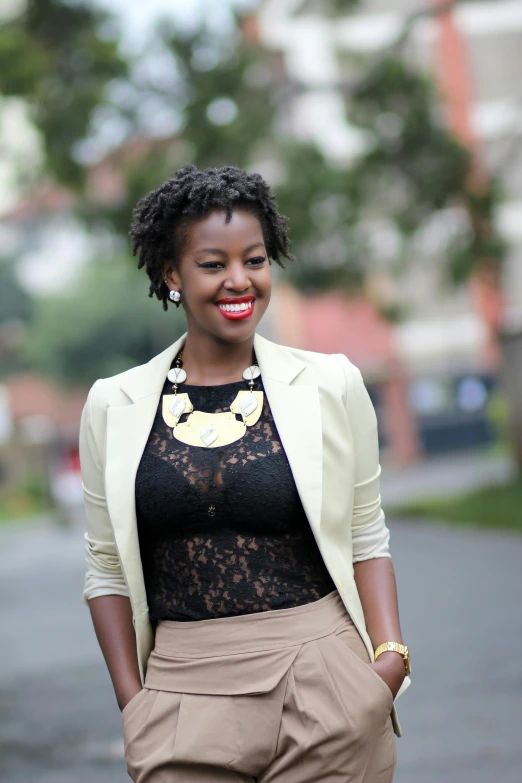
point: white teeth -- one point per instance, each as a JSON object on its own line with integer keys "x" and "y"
{"x": 236, "y": 308}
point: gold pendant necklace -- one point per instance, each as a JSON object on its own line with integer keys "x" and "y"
{"x": 211, "y": 430}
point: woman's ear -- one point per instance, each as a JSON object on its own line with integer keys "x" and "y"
{"x": 171, "y": 276}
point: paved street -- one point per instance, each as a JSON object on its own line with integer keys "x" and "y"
{"x": 458, "y": 472}
{"x": 460, "y": 595}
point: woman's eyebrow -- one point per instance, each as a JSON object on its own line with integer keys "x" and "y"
{"x": 220, "y": 252}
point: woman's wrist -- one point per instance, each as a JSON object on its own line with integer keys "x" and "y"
{"x": 125, "y": 694}
{"x": 390, "y": 667}
{"x": 393, "y": 660}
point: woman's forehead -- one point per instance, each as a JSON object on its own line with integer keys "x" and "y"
{"x": 243, "y": 227}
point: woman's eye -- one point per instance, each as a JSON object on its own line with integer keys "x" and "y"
{"x": 217, "y": 264}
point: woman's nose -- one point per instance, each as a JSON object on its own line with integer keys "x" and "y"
{"x": 238, "y": 278}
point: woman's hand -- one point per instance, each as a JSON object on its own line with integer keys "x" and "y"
{"x": 390, "y": 668}
{"x": 129, "y": 693}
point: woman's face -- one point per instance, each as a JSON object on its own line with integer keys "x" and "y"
{"x": 223, "y": 263}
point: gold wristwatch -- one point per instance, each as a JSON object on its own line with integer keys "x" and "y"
{"x": 396, "y": 647}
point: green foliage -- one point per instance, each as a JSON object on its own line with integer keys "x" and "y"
{"x": 412, "y": 151}
{"x": 229, "y": 97}
{"x": 480, "y": 241}
{"x": 15, "y": 302}
{"x": 26, "y": 501}
{"x": 415, "y": 166}
{"x": 105, "y": 325}
{"x": 498, "y": 415}
{"x": 496, "y": 507}
{"x": 140, "y": 175}
{"x": 333, "y": 7}
{"x": 226, "y": 113}
{"x": 16, "y": 311}
{"x": 322, "y": 203}
{"x": 53, "y": 55}
{"x": 232, "y": 78}
{"x": 342, "y": 6}
{"x": 464, "y": 254}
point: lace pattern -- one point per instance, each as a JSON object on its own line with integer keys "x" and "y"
{"x": 222, "y": 530}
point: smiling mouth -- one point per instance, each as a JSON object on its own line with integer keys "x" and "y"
{"x": 236, "y": 311}
{"x": 236, "y": 308}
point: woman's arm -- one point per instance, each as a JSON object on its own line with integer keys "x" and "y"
{"x": 105, "y": 590}
{"x": 112, "y": 619}
{"x": 375, "y": 580}
{"x": 373, "y": 569}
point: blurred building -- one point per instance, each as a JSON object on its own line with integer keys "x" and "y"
{"x": 39, "y": 458}
{"x": 433, "y": 376}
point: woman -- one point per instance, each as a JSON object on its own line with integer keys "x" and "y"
{"x": 238, "y": 570}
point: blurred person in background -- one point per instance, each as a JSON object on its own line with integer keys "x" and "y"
{"x": 238, "y": 568}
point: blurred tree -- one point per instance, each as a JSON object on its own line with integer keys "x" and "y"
{"x": 232, "y": 97}
{"x": 16, "y": 312}
{"x": 103, "y": 326}
{"x": 220, "y": 98}
{"x": 215, "y": 95}
{"x": 416, "y": 166}
{"x": 60, "y": 56}
{"x": 413, "y": 167}
{"x": 323, "y": 203}
{"x": 15, "y": 302}
{"x": 334, "y": 7}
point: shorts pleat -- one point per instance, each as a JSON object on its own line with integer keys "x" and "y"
{"x": 285, "y": 696}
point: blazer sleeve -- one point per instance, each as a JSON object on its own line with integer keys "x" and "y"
{"x": 370, "y": 535}
{"x": 103, "y": 575}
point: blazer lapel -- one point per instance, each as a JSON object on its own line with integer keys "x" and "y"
{"x": 297, "y": 414}
{"x": 128, "y": 428}
{"x": 296, "y": 410}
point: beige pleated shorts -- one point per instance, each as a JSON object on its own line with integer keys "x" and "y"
{"x": 283, "y": 696}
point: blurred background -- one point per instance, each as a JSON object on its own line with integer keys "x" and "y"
{"x": 391, "y": 133}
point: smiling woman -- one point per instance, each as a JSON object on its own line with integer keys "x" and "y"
{"x": 162, "y": 221}
{"x": 206, "y": 240}
{"x": 238, "y": 286}
{"x": 238, "y": 566}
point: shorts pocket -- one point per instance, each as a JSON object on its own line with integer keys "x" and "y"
{"x": 144, "y": 726}
{"x": 130, "y": 704}
{"x": 349, "y": 638}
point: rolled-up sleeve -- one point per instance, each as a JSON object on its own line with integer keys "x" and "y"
{"x": 370, "y": 535}
{"x": 103, "y": 575}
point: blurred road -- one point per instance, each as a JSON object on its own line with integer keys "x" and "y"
{"x": 453, "y": 473}
{"x": 460, "y": 595}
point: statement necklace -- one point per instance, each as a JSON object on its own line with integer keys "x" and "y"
{"x": 211, "y": 430}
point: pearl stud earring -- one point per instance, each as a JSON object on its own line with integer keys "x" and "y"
{"x": 174, "y": 296}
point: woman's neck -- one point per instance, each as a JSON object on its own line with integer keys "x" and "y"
{"x": 209, "y": 362}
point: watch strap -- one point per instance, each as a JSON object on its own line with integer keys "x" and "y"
{"x": 395, "y": 647}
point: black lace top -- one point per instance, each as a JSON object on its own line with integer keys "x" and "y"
{"x": 222, "y": 530}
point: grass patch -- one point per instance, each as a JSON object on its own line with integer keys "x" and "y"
{"x": 19, "y": 508}
{"x": 29, "y": 499}
{"x": 497, "y": 507}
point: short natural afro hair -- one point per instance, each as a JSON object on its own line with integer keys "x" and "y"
{"x": 190, "y": 195}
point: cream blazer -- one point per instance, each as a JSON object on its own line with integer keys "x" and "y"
{"x": 328, "y": 428}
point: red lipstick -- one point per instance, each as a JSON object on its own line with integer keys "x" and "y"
{"x": 233, "y": 312}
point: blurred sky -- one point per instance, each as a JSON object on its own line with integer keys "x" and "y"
{"x": 138, "y": 17}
